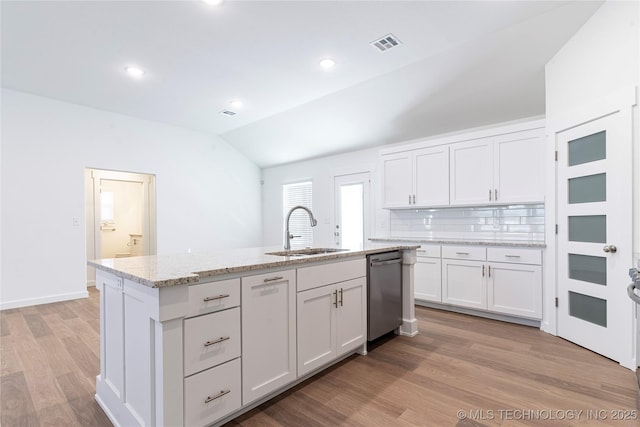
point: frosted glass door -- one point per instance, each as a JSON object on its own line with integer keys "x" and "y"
{"x": 593, "y": 236}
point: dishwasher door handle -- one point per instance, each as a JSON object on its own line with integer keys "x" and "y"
{"x": 375, "y": 263}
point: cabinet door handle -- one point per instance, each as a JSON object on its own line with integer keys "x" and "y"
{"x": 495, "y": 193}
{"x": 219, "y": 340}
{"x": 414, "y": 199}
{"x": 212, "y": 398}
{"x": 489, "y": 271}
{"x": 221, "y": 296}
{"x": 341, "y": 299}
{"x": 482, "y": 270}
{"x": 512, "y": 256}
{"x": 409, "y": 198}
{"x": 489, "y": 194}
{"x": 272, "y": 279}
{"x": 335, "y": 298}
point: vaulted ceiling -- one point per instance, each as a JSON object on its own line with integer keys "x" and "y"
{"x": 459, "y": 65}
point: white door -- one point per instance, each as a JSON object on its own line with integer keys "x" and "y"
{"x": 594, "y": 236}
{"x": 351, "y": 225}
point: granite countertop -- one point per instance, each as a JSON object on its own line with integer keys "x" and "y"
{"x": 186, "y": 268}
{"x": 452, "y": 241}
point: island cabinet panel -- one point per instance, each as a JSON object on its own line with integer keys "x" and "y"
{"x": 212, "y": 394}
{"x": 268, "y": 333}
{"x": 332, "y": 321}
{"x": 324, "y": 274}
{"x": 211, "y": 339}
{"x": 213, "y": 296}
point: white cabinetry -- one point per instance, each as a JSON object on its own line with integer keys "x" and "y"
{"x": 515, "y": 282}
{"x": 463, "y": 281}
{"x": 427, "y": 275}
{"x": 268, "y": 333}
{"x": 500, "y": 280}
{"x": 332, "y": 317}
{"x": 501, "y": 169}
{"x": 416, "y": 178}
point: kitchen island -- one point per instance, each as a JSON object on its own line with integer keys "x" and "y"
{"x": 197, "y": 339}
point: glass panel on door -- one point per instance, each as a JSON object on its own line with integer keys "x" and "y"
{"x": 588, "y": 308}
{"x": 588, "y": 189}
{"x": 588, "y": 228}
{"x": 587, "y": 149}
{"x": 592, "y": 269}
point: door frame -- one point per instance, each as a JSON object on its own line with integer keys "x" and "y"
{"x": 367, "y": 203}
{"x": 92, "y": 207}
{"x": 620, "y": 102}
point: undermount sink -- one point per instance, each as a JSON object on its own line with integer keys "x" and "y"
{"x": 307, "y": 251}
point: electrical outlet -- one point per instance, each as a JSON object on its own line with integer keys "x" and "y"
{"x": 75, "y": 222}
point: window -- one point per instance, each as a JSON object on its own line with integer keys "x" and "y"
{"x": 299, "y": 224}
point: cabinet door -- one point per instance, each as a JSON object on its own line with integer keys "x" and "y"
{"x": 431, "y": 175}
{"x": 515, "y": 289}
{"x": 519, "y": 167}
{"x": 397, "y": 180}
{"x": 316, "y": 328}
{"x": 427, "y": 278}
{"x": 268, "y": 333}
{"x": 471, "y": 172}
{"x": 351, "y": 315}
{"x": 464, "y": 284}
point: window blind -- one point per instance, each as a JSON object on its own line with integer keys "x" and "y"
{"x": 296, "y": 194}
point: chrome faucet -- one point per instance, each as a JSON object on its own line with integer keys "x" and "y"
{"x": 287, "y": 235}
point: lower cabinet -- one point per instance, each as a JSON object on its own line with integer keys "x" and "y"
{"x": 500, "y": 280}
{"x": 268, "y": 333}
{"x": 212, "y": 394}
{"x": 331, "y": 321}
{"x": 464, "y": 284}
{"x": 427, "y": 274}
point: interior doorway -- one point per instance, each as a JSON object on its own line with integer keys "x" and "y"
{"x": 120, "y": 208}
{"x": 351, "y": 225}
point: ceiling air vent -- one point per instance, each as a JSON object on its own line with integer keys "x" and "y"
{"x": 385, "y": 43}
{"x": 228, "y": 112}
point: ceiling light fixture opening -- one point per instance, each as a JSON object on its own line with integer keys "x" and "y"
{"x": 134, "y": 71}
{"x": 327, "y": 63}
{"x": 213, "y": 2}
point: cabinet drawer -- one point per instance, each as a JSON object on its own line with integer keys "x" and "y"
{"x": 325, "y": 274}
{"x": 212, "y": 394}
{"x": 465, "y": 252}
{"x": 213, "y": 296}
{"x": 428, "y": 251}
{"x": 517, "y": 256}
{"x": 211, "y": 339}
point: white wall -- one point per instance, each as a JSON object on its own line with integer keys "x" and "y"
{"x": 600, "y": 59}
{"x": 321, "y": 171}
{"x": 208, "y": 194}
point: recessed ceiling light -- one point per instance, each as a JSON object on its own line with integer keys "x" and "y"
{"x": 327, "y": 63}
{"x": 236, "y": 103}
{"x": 134, "y": 71}
{"x": 213, "y": 2}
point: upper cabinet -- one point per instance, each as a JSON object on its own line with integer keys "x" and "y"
{"x": 416, "y": 178}
{"x": 500, "y": 168}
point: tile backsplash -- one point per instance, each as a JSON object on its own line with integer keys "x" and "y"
{"x": 514, "y": 222}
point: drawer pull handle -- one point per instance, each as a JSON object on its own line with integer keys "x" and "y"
{"x": 272, "y": 279}
{"x": 212, "y": 398}
{"x": 219, "y": 340}
{"x": 221, "y": 296}
{"x": 462, "y": 253}
{"x": 512, "y": 256}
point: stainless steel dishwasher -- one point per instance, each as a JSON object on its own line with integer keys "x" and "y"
{"x": 384, "y": 293}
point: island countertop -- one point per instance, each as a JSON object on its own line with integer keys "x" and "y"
{"x": 186, "y": 268}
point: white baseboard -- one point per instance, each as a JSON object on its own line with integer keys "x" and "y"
{"x": 5, "y": 305}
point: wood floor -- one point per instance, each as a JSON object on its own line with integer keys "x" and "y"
{"x": 460, "y": 370}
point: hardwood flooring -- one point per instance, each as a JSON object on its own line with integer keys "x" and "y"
{"x": 460, "y": 370}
